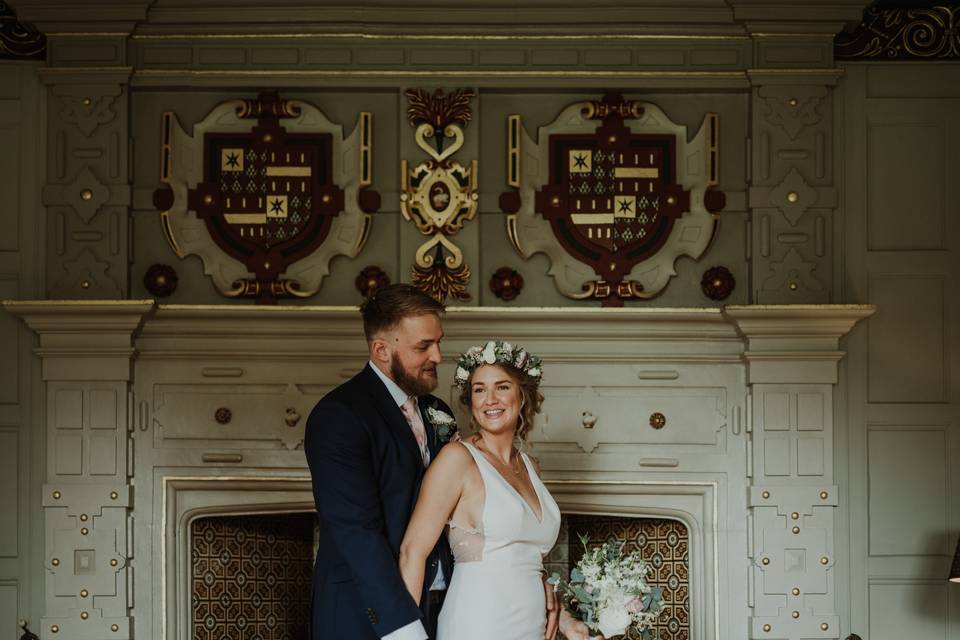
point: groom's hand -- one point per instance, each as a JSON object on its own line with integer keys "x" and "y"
{"x": 553, "y": 610}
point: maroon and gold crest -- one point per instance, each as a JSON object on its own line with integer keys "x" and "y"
{"x": 268, "y": 196}
{"x": 613, "y": 195}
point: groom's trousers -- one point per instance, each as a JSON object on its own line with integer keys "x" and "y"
{"x": 433, "y": 603}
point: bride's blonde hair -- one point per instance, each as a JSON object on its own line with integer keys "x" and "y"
{"x": 531, "y": 400}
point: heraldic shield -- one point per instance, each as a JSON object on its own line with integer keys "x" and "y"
{"x": 266, "y": 192}
{"x": 613, "y": 193}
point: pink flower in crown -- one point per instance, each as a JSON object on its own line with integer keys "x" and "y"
{"x": 635, "y": 605}
{"x": 520, "y": 360}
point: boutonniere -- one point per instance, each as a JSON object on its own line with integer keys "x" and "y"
{"x": 444, "y": 424}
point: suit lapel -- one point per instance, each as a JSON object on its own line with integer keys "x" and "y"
{"x": 391, "y": 414}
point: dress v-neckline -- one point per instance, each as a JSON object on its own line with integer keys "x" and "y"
{"x": 533, "y": 483}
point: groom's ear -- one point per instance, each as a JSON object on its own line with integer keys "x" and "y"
{"x": 380, "y": 349}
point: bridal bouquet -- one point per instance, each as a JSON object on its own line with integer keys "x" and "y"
{"x": 609, "y": 593}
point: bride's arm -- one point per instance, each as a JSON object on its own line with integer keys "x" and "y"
{"x": 439, "y": 494}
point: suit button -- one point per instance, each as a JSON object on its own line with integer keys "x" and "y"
{"x": 433, "y": 564}
{"x": 372, "y": 615}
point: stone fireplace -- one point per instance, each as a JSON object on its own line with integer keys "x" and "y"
{"x": 161, "y": 417}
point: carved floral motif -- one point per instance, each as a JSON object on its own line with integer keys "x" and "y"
{"x": 506, "y": 283}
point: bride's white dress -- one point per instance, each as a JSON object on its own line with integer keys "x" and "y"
{"x": 496, "y": 591}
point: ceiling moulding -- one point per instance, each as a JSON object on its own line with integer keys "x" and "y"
{"x": 441, "y": 18}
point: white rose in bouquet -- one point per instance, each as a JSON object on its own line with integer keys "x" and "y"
{"x": 613, "y": 620}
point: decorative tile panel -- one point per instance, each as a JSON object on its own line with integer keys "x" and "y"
{"x": 251, "y": 577}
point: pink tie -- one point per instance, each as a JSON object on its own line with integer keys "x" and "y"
{"x": 412, "y": 414}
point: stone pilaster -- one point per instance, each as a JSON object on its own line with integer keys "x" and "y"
{"x": 791, "y": 355}
{"x": 86, "y": 350}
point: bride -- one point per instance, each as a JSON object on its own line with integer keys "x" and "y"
{"x": 501, "y": 518}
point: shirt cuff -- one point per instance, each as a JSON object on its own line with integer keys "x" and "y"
{"x": 412, "y": 631}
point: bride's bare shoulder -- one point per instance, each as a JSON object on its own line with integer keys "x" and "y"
{"x": 455, "y": 455}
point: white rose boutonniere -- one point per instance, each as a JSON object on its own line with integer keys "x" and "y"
{"x": 444, "y": 424}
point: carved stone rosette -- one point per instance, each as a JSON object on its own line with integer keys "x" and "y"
{"x": 613, "y": 193}
{"x": 266, "y": 192}
{"x": 439, "y": 195}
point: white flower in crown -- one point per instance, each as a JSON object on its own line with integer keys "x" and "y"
{"x": 490, "y": 353}
{"x": 534, "y": 372}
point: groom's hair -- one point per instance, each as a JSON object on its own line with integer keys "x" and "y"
{"x": 388, "y": 305}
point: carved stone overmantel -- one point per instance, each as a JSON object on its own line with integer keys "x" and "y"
{"x": 189, "y": 398}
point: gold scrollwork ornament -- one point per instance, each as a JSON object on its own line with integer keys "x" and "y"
{"x": 439, "y": 195}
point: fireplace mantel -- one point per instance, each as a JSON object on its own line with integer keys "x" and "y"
{"x": 151, "y": 407}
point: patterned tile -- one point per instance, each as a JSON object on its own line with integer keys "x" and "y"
{"x": 251, "y": 577}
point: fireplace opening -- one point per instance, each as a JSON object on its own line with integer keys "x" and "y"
{"x": 250, "y": 574}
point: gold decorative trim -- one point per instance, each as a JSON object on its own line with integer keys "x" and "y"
{"x": 85, "y": 34}
{"x": 514, "y": 130}
{"x": 401, "y": 36}
{"x": 393, "y": 73}
{"x": 57, "y": 70}
{"x": 366, "y": 149}
{"x": 73, "y": 302}
{"x": 168, "y": 232}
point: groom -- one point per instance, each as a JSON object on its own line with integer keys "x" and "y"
{"x": 368, "y": 443}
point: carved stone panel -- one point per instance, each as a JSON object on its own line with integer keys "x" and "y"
{"x": 87, "y": 192}
{"x": 792, "y": 194}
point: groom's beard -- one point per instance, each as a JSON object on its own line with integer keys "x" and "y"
{"x": 414, "y": 385}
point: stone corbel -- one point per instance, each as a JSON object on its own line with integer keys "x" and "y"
{"x": 787, "y": 344}
{"x": 83, "y": 339}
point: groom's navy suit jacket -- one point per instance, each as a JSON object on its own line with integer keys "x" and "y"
{"x": 367, "y": 469}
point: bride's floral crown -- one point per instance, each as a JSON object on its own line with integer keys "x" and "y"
{"x": 496, "y": 352}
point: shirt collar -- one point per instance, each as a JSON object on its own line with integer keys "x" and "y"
{"x": 399, "y": 395}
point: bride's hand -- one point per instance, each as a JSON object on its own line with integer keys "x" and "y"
{"x": 573, "y": 629}
{"x": 552, "y": 605}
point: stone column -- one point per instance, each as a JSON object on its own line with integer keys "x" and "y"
{"x": 86, "y": 352}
